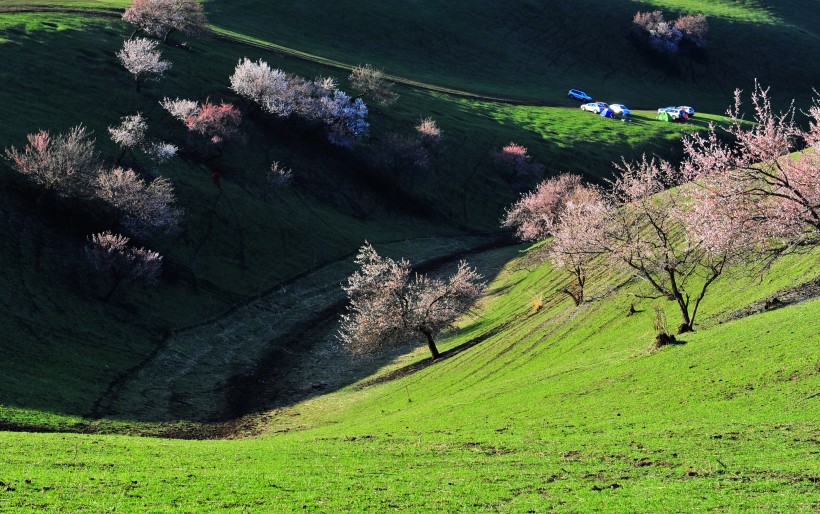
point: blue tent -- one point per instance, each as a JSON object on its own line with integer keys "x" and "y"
{"x": 607, "y": 113}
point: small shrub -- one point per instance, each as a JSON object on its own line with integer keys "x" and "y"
{"x": 663, "y": 336}
{"x": 536, "y": 304}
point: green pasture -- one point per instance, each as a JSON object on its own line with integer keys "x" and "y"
{"x": 563, "y": 409}
{"x": 239, "y": 241}
{"x": 556, "y": 408}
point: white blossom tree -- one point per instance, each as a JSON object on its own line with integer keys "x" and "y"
{"x": 160, "y": 18}
{"x": 129, "y": 134}
{"x": 389, "y": 306}
{"x": 142, "y": 60}
{"x": 143, "y": 205}
{"x": 109, "y": 253}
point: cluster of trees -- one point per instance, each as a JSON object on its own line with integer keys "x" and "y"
{"x": 68, "y": 166}
{"x": 390, "y": 305}
{"x": 668, "y": 36}
{"x": 742, "y": 199}
{"x": 282, "y": 95}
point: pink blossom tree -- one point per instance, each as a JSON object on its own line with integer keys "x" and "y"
{"x": 657, "y": 235}
{"x": 109, "y": 253}
{"x": 755, "y": 181}
{"x": 574, "y": 214}
{"x": 216, "y": 123}
{"x": 536, "y": 213}
{"x": 142, "y": 60}
{"x": 160, "y": 18}
{"x": 515, "y": 157}
{"x": 388, "y": 306}
{"x": 577, "y": 237}
{"x": 694, "y": 27}
{"x": 65, "y": 164}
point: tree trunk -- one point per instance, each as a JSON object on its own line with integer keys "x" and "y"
{"x": 576, "y": 299}
{"x": 686, "y": 325}
{"x": 431, "y": 344}
{"x": 117, "y": 280}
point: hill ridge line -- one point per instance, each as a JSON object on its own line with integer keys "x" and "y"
{"x": 224, "y": 35}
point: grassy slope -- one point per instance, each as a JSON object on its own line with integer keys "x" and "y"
{"x": 537, "y": 50}
{"x": 243, "y": 240}
{"x": 564, "y": 409}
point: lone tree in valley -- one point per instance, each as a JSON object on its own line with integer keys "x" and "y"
{"x": 390, "y": 306}
{"x": 160, "y": 18}
{"x": 109, "y": 253}
{"x": 142, "y": 60}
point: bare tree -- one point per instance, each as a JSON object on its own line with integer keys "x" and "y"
{"x": 65, "y": 164}
{"x": 368, "y": 81}
{"x": 388, "y": 306}
{"x": 402, "y": 157}
{"x": 160, "y": 18}
{"x": 142, "y": 60}
{"x": 110, "y": 253}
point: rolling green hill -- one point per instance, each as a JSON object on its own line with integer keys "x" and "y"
{"x": 244, "y": 240}
{"x": 531, "y": 410}
{"x": 561, "y": 409}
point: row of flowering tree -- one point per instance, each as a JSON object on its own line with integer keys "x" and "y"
{"x": 67, "y": 166}
{"x": 283, "y": 95}
{"x": 739, "y": 200}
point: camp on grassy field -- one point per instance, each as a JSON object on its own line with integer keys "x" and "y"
{"x": 334, "y": 257}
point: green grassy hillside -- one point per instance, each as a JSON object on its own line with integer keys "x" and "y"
{"x": 566, "y": 409}
{"x": 536, "y": 50}
{"x": 561, "y": 408}
{"x": 244, "y": 240}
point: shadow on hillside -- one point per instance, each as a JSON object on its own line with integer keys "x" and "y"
{"x": 309, "y": 363}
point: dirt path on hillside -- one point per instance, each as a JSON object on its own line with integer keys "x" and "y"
{"x": 213, "y": 373}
